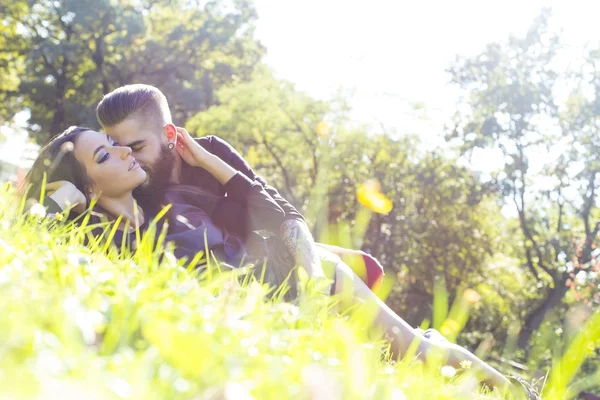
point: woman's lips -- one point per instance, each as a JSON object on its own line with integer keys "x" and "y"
{"x": 134, "y": 164}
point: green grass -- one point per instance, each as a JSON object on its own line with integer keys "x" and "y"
{"x": 79, "y": 322}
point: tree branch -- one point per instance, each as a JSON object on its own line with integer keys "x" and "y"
{"x": 313, "y": 174}
{"x": 279, "y": 162}
{"x": 530, "y": 263}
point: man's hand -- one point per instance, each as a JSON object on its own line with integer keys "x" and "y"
{"x": 66, "y": 195}
{"x": 191, "y": 152}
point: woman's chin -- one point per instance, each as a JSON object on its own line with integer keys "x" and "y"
{"x": 142, "y": 175}
{"x": 141, "y": 179}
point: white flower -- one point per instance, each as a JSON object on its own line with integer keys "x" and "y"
{"x": 448, "y": 371}
{"x": 38, "y": 210}
{"x": 398, "y": 394}
{"x": 237, "y": 391}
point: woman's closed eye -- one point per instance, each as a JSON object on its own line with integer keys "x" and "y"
{"x": 105, "y": 154}
{"x": 103, "y": 158}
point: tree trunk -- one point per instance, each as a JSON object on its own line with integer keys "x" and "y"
{"x": 59, "y": 107}
{"x": 535, "y": 319}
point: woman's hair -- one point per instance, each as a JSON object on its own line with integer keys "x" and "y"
{"x": 58, "y": 162}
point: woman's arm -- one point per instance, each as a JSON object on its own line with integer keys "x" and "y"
{"x": 227, "y": 153}
{"x": 294, "y": 232}
{"x": 247, "y": 205}
{"x": 197, "y": 156}
{"x": 64, "y": 194}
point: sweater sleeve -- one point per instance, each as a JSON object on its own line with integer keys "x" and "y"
{"x": 248, "y": 207}
{"x": 52, "y": 207}
{"x": 227, "y": 153}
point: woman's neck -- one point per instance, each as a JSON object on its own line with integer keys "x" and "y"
{"x": 126, "y": 207}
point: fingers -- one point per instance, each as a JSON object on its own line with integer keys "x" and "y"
{"x": 183, "y": 134}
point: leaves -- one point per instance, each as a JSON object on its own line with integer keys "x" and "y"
{"x": 67, "y": 55}
{"x": 103, "y": 324}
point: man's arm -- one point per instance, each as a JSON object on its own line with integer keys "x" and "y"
{"x": 227, "y": 153}
{"x": 247, "y": 204}
{"x": 294, "y": 230}
{"x": 299, "y": 241}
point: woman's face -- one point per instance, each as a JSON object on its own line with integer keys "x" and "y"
{"x": 112, "y": 169}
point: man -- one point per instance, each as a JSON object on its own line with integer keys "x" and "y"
{"x": 138, "y": 116}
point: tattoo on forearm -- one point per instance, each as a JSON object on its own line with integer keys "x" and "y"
{"x": 290, "y": 231}
{"x": 299, "y": 241}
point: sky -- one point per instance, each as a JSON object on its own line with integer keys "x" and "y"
{"x": 388, "y": 55}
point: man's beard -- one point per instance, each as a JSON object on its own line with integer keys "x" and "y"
{"x": 159, "y": 175}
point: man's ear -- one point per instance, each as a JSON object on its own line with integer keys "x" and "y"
{"x": 171, "y": 134}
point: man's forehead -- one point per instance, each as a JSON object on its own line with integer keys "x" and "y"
{"x": 130, "y": 130}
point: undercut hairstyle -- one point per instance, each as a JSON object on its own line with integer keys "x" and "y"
{"x": 133, "y": 101}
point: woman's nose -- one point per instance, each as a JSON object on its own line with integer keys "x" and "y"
{"x": 124, "y": 151}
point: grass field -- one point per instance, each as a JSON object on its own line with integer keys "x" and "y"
{"x": 89, "y": 323}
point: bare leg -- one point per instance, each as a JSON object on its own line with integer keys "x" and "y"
{"x": 402, "y": 334}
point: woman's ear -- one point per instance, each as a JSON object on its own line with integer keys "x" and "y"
{"x": 91, "y": 192}
{"x": 171, "y": 133}
{"x": 92, "y": 195}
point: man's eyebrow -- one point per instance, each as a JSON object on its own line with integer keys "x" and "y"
{"x": 135, "y": 143}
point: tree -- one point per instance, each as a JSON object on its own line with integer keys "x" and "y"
{"x": 74, "y": 51}
{"x": 439, "y": 224}
{"x": 275, "y": 128}
{"x": 11, "y": 56}
{"x": 512, "y": 108}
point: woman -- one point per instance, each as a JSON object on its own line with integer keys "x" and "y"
{"x": 82, "y": 165}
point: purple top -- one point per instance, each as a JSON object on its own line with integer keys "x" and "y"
{"x": 203, "y": 179}
{"x": 194, "y": 220}
{"x": 225, "y": 216}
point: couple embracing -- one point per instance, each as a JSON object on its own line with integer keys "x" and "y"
{"x": 218, "y": 205}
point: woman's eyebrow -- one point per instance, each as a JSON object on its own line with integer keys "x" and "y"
{"x": 97, "y": 150}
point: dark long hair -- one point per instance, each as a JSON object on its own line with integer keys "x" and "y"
{"x": 57, "y": 161}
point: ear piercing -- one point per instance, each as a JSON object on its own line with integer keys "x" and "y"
{"x": 171, "y": 145}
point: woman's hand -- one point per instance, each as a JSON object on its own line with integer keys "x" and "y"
{"x": 197, "y": 156}
{"x": 191, "y": 152}
{"x": 66, "y": 195}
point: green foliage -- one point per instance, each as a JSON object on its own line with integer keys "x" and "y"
{"x": 80, "y": 322}
{"x": 279, "y": 133}
{"x": 273, "y": 126}
{"x": 165, "y": 332}
{"x": 67, "y": 54}
{"x": 445, "y": 224}
{"x": 11, "y": 57}
{"x": 511, "y": 106}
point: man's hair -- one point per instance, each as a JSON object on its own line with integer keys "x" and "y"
{"x": 133, "y": 101}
